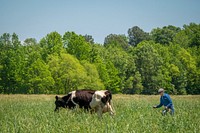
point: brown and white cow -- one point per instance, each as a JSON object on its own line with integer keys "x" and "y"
{"x": 98, "y": 101}
{"x": 101, "y": 102}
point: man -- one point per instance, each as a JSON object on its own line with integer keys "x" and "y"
{"x": 166, "y": 101}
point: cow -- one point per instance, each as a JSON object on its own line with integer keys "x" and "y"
{"x": 64, "y": 102}
{"x": 97, "y": 101}
{"x": 101, "y": 102}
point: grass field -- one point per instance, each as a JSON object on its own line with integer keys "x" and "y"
{"x": 134, "y": 113}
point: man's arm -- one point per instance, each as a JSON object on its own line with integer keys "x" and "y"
{"x": 158, "y": 106}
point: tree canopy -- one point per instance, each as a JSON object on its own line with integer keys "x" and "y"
{"x": 139, "y": 63}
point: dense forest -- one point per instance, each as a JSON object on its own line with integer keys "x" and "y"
{"x": 139, "y": 63}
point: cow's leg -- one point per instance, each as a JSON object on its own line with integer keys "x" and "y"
{"x": 86, "y": 108}
{"x": 99, "y": 111}
{"x": 56, "y": 109}
{"x": 110, "y": 109}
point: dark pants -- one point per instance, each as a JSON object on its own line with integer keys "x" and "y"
{"x": 172, "y": 110}
{"x": 166, "y": 110}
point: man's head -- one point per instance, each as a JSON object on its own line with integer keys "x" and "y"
{"x": 161, "y": 91}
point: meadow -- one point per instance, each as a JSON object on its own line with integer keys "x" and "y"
{"x": 134, "y": 114}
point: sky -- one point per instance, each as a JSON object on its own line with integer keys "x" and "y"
{"x": 99, "y": 18}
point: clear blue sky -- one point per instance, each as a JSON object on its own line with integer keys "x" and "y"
{"x": 99, "y": 18}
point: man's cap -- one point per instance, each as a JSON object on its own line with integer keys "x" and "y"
{"x": 161, "y": 90}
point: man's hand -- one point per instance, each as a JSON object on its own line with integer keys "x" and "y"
{"x": 166, "y": 107}
{"x": 154, "y": 106}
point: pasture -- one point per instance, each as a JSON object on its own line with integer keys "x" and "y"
{"x": 134, "y": 113}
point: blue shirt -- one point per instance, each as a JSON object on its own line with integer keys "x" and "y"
{"x": 166, "y": 101}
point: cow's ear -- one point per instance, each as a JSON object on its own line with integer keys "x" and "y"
{"x": 56, "y": 97}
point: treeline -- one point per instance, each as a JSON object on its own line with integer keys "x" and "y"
{"x": 139, "y": 63}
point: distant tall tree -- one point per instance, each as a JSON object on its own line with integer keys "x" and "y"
{"x": 164, "y": 35}
{"x": 193, "y": 32}
{"x": 189, "y": 68}
{"x": 30, "y": 41}
{"x": 11, "y": 62}
{"x": 189, "y": 36}
{"x": 5, "y": 41}
{"x": 183, "y": 70}
{"x": 148, "y": 63}
{"x": 51, "y": 44}
{"x": 89, "y": 38}
{"x": 133, "y": 84}
{"x": 96, "y": 53}
{"x": 15, "y": 40}
{"x": 67, "y": 72}
{"x": 113, "y": 83}
{"x": 39, "y": 77}
{"x": 77, "y": 45}
{"x": 93, "y": 80}
{"x": 182, "y": 39}
{"x": 136, "y": 35}
{"x": 116, "y": 41}
{"x": 7, "y": 64}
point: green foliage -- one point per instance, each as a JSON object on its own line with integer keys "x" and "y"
{"x": 137, "y": 35}
{"x": 89, "y": 39}
{"x": 135, "y": 64}
{"x": 182, "y": 39}
{"x": 39, "y": 77}
{"x": 189, "y": 36}
{"x": 114, "y": 40}
{"x": 193, "y": 32}
{"x": 30, "y": 41}
{"x": 164, "y": 35}
{"x": 67, "y": 72}
{"x": 77, "y": 45}
{"x": 10, "y": 62}
{"x": 93, "y": 80}
{"x": 148, "y": 63}
{"x": 51, "y": 44}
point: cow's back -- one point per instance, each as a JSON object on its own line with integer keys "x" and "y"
{"x": 83, "y": 98}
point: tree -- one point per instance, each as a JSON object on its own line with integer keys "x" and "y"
{"x": 5, "y": 41}
{"x": 133, "y": 85}
{"x": 77, "y": 46}
{"x": 15, "y": 41}
{"x": 148, "y": 63}
{"x": 89, "y": 39}
{"x": 96, "y": 53}
{"x": 11, "y": 63}
{"x": 30, "y": 41}
{"x": 183, "y": 70}
{"x": 193, "y": 32}
{"x": 67, "y": 72}
{"x": 39, "y": 77}
{"x": 116, "y": 41}
{"x": 189, "y": 65}
{"x": 136, "y": 35}
{"x": 123, "y": 62}
{"x": 51, "y": 44}
{"x": 182, "y": 39}
{"x": 113, "y": 83}
{"x": 7, "y": 72}
{"x": 93, "y": 80}
{"x": 164, "y": 35}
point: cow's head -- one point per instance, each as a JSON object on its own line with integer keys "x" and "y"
{"x": 60, "y": 102}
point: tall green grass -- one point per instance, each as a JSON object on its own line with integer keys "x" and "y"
{"x": 134, "y": 113}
